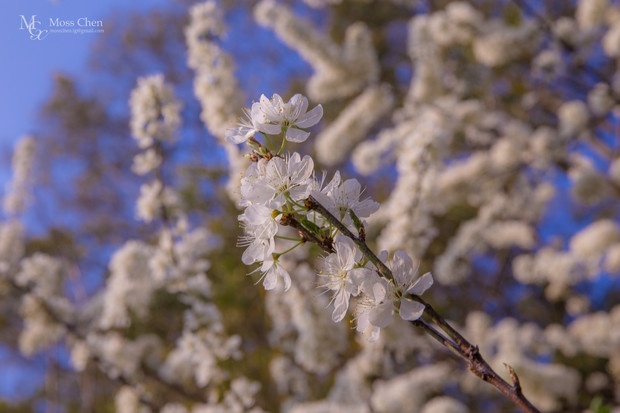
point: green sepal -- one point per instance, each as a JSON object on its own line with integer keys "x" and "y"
{"x": 311, "y": 226}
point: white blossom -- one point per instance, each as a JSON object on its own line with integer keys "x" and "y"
{"x": 14, "y": 199}
{"x": 611, "y": 41}
{"x": 146, "y": 162}
{"x": 272, "y": 183}
{"x": 129, "y": 286}
{"x": 342, "y": 276}
{"x": 292, "y": 116}
{"x": 590, "y": 13}
{"x": 573, "y": 117}
{"x": 353, "y": 124}
{"x": 155, "y": 111}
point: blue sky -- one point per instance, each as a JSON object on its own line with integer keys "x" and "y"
{"x": 27, "y": 65}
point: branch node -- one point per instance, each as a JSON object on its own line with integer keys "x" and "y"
{"x": 516, "y": 384}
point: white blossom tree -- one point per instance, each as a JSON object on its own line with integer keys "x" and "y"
{"x": 467, "y": 217}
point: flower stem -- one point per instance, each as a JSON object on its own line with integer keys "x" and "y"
{"x": 315, "y": 205}
{"x": 283, "y": 140}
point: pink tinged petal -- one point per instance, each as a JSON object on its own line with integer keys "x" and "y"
{"x": 310, "y": 118}
{"x": 382, "y": 315}
{"x": 411, "y": 310}
{"x": 296, "y": 135}
{"x": 422, "y": 284}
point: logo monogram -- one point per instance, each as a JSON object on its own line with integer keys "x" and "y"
{"x": 33, "y": 27}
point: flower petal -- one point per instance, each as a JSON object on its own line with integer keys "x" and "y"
{"x": 310, "y": 118}
{"x": 299, "y": 105}
{"x": 341, "y": 305}
{"x": 381, "y": 316}
{"x": 271, "y": 280}
{"x": 422, "y": 284}
{"x": 296, "y": 135}
{"x": 411, "y": 310}
{"x": 269, "y": 128}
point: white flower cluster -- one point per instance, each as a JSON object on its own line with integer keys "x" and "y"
{"x": 155, "y": 116}
{"x": 215, "y": 84}
{"x": 280, "y": 191}
{"x": 340, "y": 71}
{"x": 14, "y": 200}
{"x": 154, "y": 111}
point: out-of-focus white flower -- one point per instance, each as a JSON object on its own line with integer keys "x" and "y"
{"x": 566, "y": 30}
{"x": 340, "y": 71}
{"x": 444, "y": 404}
{"x": 590, "y": 13}
{"x": 40, "y": 328}
{"x": 611, "y": 41}
{"x": 548, "y": 61}
{"x": 11, "y": 245}
{"x": 612, "y": 259}
{"x": 353, "y": 124}
{"x": 153, "y": 198}
{"x": 592, "y": 241}
{"x": 129, "y": 286}
{"x": 600, "y": 100}
{"x": 614, "y": 171}
{"x": 17, "y": 191}
{"x": 155, "y": 111}
{"x": 127, "y": 401}
{"x": 501, "y": 44}
{"x": 43, "y": 273}
{"x": 146, "y": 162}
{"x": 573, "y": 117}
{"x": 589, "y": 185}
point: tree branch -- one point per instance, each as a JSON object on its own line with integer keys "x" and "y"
{"x": 455, "y": 342}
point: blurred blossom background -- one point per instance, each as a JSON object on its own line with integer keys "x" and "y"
{"x": 488, "y": 131}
